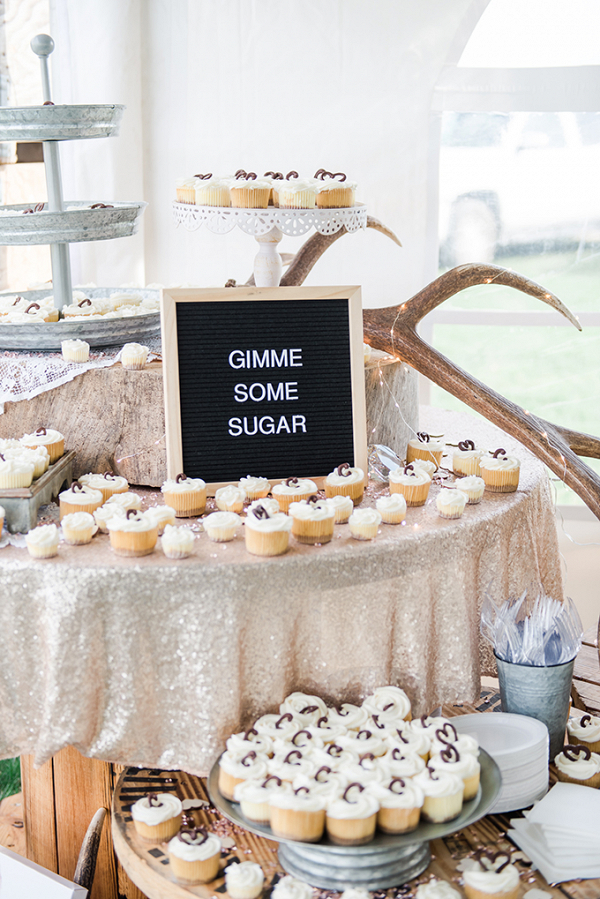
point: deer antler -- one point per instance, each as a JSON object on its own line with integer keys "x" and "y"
{"x": 393, "y": 330}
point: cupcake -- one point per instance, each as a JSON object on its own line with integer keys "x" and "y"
{"x": 351, "y": 819}
{"x": 437, "y": 889}
{"x": 52, "y": 440}
{"x": 500, "y": 472}
{"x": 305, "y": 707}
{"x": 161, "y": 516}
{"x": 312, "y": 520}
{"x": 220, "y": 527}
{"x": 342, "y": 506}
{"x": 353, "y": 717}
{"x": 346, "y": 481}
{"x": 254, "y": 488}
{"x": 212, "y": 191}
{"x": 292, "y": 491}
{"x": 254, "y": 797}
{"x": 424, "y": 465}
{"x": 448, "y": 736}
{"x": 157, "y": 816}
{"x": 490, "y": 875}
{"x": 443, "y": 794}
{"x": 388, "y": 704}
{"x": 134, "y": 356}
{"x": 235, "y": 767}
{"x": 400, "y": 804}
{"x": 584, "y": 731}
{"x": 267, "y": 534}
{"x": 392, "y": 508}
{"x": 186, "y": 495}
{"x": 125, "y": 500}
{"x": 185, "y": 190}
{"x": 250, "y": 192}
{"x": 323, "y": 782}
{"x": 107, "y": 483}
{"x": 230, "y": 498}
{"x": 177, "y": 543}
{"x": 364, "y": 524}
{"x": 334, "y": 191}
{"x": 413, "y": 483}
{"x": 424, "y": 447}
{"x": 576, "y": 764}
{"x": 268, "y": 502}
{"x": 106, "y": 512}
{"x": 290, "y": 888}
{"x": 194, "y": 855}
{"x": 465, "y": 459}
{"x": 277, "y": 726}
{"x": 407, "y": 740}
{"x": 42, "y": 541}
{"x": 297, "y": 815}
{"x": 273, "y": 178}
{"x": 75, "y": 350}
{"x": 79, "y": 498}
{"x": 465, "y": 766}
{"x": 134, "y": 535}
{"x": 38, "y": 456}
{"x": 472, "y": 487}
{"x": 15, "y": 473}
{"x": 296, "y": 194}
{"x": 244, "y": 881}
{"x": 78, "y": 528}
{"x": 450, "y": 503}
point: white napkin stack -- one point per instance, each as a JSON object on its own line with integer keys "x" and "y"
{"x": 561, "y": 833}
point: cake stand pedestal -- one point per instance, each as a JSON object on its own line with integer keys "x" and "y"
{"x": 268, "y": 227}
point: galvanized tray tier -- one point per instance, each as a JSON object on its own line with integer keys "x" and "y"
{"x": 47, "y": 336}
{"x": 387, "y": 861}
{"x": 28, "y": 123}
{"x": 76, "y": 224}
{"x": 21, "y": 504}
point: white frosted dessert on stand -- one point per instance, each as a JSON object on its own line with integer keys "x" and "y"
{"x": 194, "y": 855}
{"x": 75, "y": 350}
{"x": 157, "y": 816}
{"x": 244, "y": 881}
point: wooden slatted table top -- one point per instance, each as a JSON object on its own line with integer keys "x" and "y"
{"x": 148, "y": 865}
{"x": 586, "y": 675}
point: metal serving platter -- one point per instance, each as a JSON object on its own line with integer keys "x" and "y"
{"x": 76, "y": 224}
{"x": 29, "y": 123}
{"x": 47, "y": 336}
{"x": 389, "y": 859}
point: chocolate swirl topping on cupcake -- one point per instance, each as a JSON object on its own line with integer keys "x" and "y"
{"x": 109, "y": 476}
{"x": 251, "y": 732}
{"x": 85, "y": 302}
{"x": 131, "y": 513}
{"x": 408, "y": 469}
{"x": 18, "y": 300}
{"x": 204, "y": 177}
{"x": 572, "y": 752}
{"x": 102, "y": 206}
{"x": 2, "y": 457}
{"x": 248, "y": 759}
{"x": 77, "y": 487}
{"x": 397, "y": 754}
{"x": 423, "y": 436}
{"x": 585, "y": 720}
{"x": 375, "y": 719}
{"x": 450, "y": 753}
{"x": 401, "y": 736}
{"x": 312, "y": 501}
{"x": 443, "y": 735}
{"x": 260, "y": 512}
{"x": 321, "y": 174}
{"x": 351, "y": 786}
{"x": 276, "y": 176}
{"x": 180, "y": 477}
{"x": 498, "y": 452}
{"x": 295, "y": 753}
{"x": 301, "y": 790}
{"x": 492, "y": 857}
{"x": 33, "y": 306}
{"x": 193, "y": 835}
{"x": 396, "y": 780}
{"x": 368, "y": 757}
{"x": 344, "y": 470}
{"x": 300, "y": 732}
{"x": 323, "y": 769}
{"x": 291, "y": 482}
{"x": 154, "y": 801}
{"x": 334, "y": 750}
{"x": 272, "y": 777}
{"x": 367, "y": 735}
{"x": 292, "y": 174}
{"x": 245, "y": 176}
{"x": 465, "y": 445}
{"x": 287, "y": 716}
{"x": 326, "y": 726}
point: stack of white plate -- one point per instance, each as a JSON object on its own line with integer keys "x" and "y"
{"x": 519, "y": 746}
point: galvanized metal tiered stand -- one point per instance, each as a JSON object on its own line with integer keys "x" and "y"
{"x": 61, "y": 223}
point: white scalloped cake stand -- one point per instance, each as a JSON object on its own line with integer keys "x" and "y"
{"x": 268, "y": 227}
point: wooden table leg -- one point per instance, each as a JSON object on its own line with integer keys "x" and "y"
{"x": 60, "y": 800}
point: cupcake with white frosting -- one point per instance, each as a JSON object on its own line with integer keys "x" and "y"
{"x": 351, "y": 819}
{"x": 472, "y": 487}
{"x": 185, "y": 189}
{"x": 448, "y": 735}
{"x": 437, "y": 889}
{"x": 15, "y": 472}
{"x": 465, "y": 459}
{"x": 465, "y": 766}
{"x": 443, "y": 794}
{"x": 423, "y": 446}
{"x": 401, "y": 762}
{"x": 450, "y": 503}
{"x": 254, "y": 797}
{"x": 267, "y": 534}
{"x": 281, "y": 725}
{"x": 297, "y": 815}
{"x": 79, "y": 498}
{"x": 342, "y": 506}
{"x": 254, "y": 488}
{"x": 161, "y": 516}
{"x": 490, "y": 876}
{"x": 134, "y": 356}
{"x": 212, "y": 191}
{"x": 235, "y": 768}
{"x": 78, "y": 528}
{"x": 353, "y": 717}
{"x": 576, "y": 764}
{"x": 364, "y": 524}
{"x": 106, "y": 512}
{"x": 220, "y": 527}
{"x": 126, "y": 500}
{"x": 500, "y": 471}
{"x": 305, "y": 707}
{"x": 75, "y": 350}
{"x": 334, "y": 191}
{"x": 400, "y": 803}
{"x": 194, "y": 855}
{"x": 177, "y": 543}
{"x": 392, "y": 508}
{"x": 157, "y": 816}
{"x": 346, "y": 481}
{"x": 186, "y": 495}
{"x": 586, "y": 731}
{"x": 413, "y": 483}
{"x": 42, "y": 541}
{"x": 267, "y": 502}
{"x": 296, "y": 194}
{"x": 389, "y": 704}
{"x": 250, "y": 192}
{"x": 230, "y": 498}
{"x": 293, "y": 490}
{"x": 244, "y": 881}
{"x": 312, "y": 520}
{"x": 107, "y": 483}
{"x": 134, "y": 535}
{"x": 290, "y": 888}
{"x": 39, "y": 456}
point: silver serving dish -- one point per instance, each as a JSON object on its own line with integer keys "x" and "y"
{"x": 47, "y": 336}
{"x": 75, "y": 224}
{"x": 29, "y": 123}
{"x": 388, "y": 860}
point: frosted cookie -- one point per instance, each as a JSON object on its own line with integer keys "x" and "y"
{"x": 177, "y": 543}
{"x": 78, "y": 528}
{"x": 186, "y": 495}
{"x": 292, "y": 490}
{"x": 134, "y": 535}
{"x": 576, "y": 764}
{"x": 157, "y": 816}
{"x": 364, "y": 524}
{"x": 423, "y": 446}
{"x": 342, "y": 508}
{"x": 465, "y": 459}
{"x": 500, "y": 472}
{"x": 51, "y": 439}
{"x": 134, "y": 356}
{"x": 230, "y": 498}
{"x": 312, "y": 520}
{"x": 42, "y": 541}
{"x": 221, "y": 526}
{"x": 255, "y": 488}
{"x": 267, "y": 534}
{"x": 351, "y": 819}
{"x": 585, "y": 731}
{"x": 75, "y": 350}
{"x": 450, "y": 503}
{"x": 346, "y": 481}
{"x": 244, "y": 881}
{"x": 392, "y": 508}
{"x": 472, "y": 487}
{"x": 194, "y": 855}
{"x": 79, "y": 498}
{"x": 413, "y": 483}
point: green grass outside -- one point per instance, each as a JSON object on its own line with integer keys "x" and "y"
{"x": 10, "y": 777}
{"x": 553, "y": 372}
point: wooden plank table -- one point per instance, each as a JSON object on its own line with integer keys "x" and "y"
{"x": 585, "y": 691}
{"x": 148, "y": 865}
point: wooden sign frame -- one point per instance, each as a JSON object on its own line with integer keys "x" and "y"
{"x": 344, "y": 304}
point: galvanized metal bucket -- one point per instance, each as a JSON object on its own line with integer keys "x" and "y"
{"x": 542, "y": 693}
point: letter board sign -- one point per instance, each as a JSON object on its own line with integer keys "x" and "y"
{"x": 263, "y": 381}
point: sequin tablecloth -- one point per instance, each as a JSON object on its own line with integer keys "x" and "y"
{"x": 154, "y": 662}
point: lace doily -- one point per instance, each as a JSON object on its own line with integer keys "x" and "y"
{"x": 25, "y": 375}
{"x": 293, "y": 222}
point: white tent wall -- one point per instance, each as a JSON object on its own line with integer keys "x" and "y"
{"x": 215, "y": 85}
